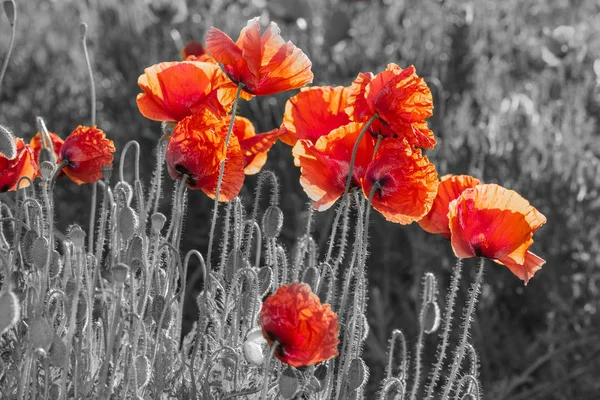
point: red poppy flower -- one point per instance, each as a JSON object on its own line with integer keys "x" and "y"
{"x": 197, "y": 148}
{"x": 36, "y": 145}
{"x": 314, "y": 112}
{"x": 175, "y": 90}
{"x": 22, "y": 165}
{"x": 254, "y": 147}
{"x": 493, "y": 222}
{"x": 325, "y": 164}
{"x": 401, "y": 100}
{"x": 307, "y": 331}
{"x": 407, "y": 182}
{"x": 85, "y": 152}
{"x": 450, "y": 187}
{"x": 265, "y": 65}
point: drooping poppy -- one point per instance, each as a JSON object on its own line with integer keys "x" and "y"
{"x": 175, "y": 90}
{"x": 401, "y": 100}
{"x": 196, "y": 150}
{"x": 326, "y": 163}
{"x": 36, "y": 145}
{"x": 493, "y": 222}
{"x": 254, "y": 147}
{"x": 314, "y": 112}
{"x": 306, "y": 330}
{"x": 407, "y": 181}
{"x": 84, "y": 153}
{"x": 23, "y": 164}
{"x": 450, "y": 187}
{"x": 263, "y": 64}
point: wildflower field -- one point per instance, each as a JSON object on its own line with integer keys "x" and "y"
{"x": 308, "y": 199}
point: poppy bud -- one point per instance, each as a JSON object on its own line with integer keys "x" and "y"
{"x": 288, "y": 383}
{"x": 77, "y": 236}
{"x": 10, "y": 310}
{"x": 272, "y": 222}
{"x": 40, "y": 333}
{"x": 10, "y": 8}
{"x": 8, "y": 147}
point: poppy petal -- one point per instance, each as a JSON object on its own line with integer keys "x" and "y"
{"x": 314, "y": 112}
{"x": 407, "y": 182}
{"x": 494, "y": 222}
{"x": 196, "y": 150}
{"x": 325, "y": 164}
{"x": 221, "y": 47}
{"x": 86, "y": 151}
{"x": 23, "y": 164}
{"x": 450, "y": 187}
{"x": 525, "y": 270}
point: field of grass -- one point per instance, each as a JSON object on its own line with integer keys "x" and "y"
{"x": 516, "y": 89}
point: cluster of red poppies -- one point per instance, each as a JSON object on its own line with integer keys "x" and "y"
{"x": 81, "y": 157}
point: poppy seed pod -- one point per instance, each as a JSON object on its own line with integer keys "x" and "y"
{"x": 119, "y": 274}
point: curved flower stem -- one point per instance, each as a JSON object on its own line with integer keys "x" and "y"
{"x": 265, "y": 387}
{"x": 441, "y": 354}
{"x": 13, "y": 32}
{"x": 213, "y": 223}
{"x": 354, "y": 151}
{"x": 377, "y": 144}
{"x": 475, "y": 288}
{"x": 83, "y": 31}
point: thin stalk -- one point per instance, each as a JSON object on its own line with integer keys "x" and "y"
{"x": 435, "y": 375}
{"x": 475, "y": 288}
{"x": 92, "y": 217}
{"x": 265, "y": 387}
{"x": 220, "y": 180}
{"x": 111, "y": 342}
{"x": 83, "y": 31}
{"x": 13, "y": 32}
{"x": 355, "y": 150}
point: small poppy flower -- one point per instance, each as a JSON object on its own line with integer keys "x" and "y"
{"x": 195, "y": 51}
{"x": 407, "y": 181}
{"x": 450, "y": 187}
{"x": 325, "y": 164}
{"x": 85, "y": 151}
{"x": 23, "y": 164}
{"x": 36, "y": 145}
{"x": 175, "y": 90}
{"x": 401, "y": 100}
{"x": 263, "y": 64}
{"x": 493, "y": 222}
{"x": 254, "y": 147}
{"x": 196, "y": 150}
{"x": 306, "y": 330}
{"x": 314, "y": 112}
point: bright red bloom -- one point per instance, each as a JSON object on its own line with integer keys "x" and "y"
{"x": 325, "y": 164}
{"x": 263, "y": 64}
{"x": 307, "y": 331}
{"x": 450, "y": 187}
{"x": 314, "y": 112}
{"x": 401, "y": 100}
{"x": 254, "y": 147}
{"x": 36, "y": 145}
{"x": 408, "y": 182}
{"x": 493, "y": 222}
{"x": 22, "y": 165}
{"x": 85, "y": 152}
{"x": 197, "y": 148}
{"x": 175, "y": 90}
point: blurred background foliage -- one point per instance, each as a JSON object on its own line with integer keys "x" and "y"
{"x": 516, "y": 88}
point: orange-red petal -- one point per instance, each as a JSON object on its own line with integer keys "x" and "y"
{"x": 306, "y": 330}
{"x": 264, "y": 65}
{"x": 254, "y": 147}
{"x": 525, "y": 270}
{"x": 325, "y": 164}
{"x": 197, "y": 148}
{"x": 450, "y": 187}
{"x": 175, "y": 90}
{"x": 407, "y": 182}
{"x": 23, "y": 164}
{"x": 85, "y": 151}
{"x": 493, "y": 222}
{"x": 314, "y": 112}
